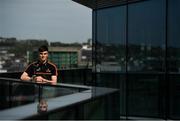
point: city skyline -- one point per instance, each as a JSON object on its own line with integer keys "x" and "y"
{"x": 51, "y": 20}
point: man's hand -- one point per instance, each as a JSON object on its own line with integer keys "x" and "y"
{"x": 39, "y": 79}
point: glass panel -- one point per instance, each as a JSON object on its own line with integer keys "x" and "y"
{"x": 15, "y": 94}
{"x": 146, "y": 36}
{"x": 110, "y": 50}
{"x": 144, "y": 95}
{"x": 4, "y": 95}
{"x": 91, "y": 111}
{"x": 116, "y": 81}
{"x": 111, "y": 39}
{"x": 174, "y": 58}
{"x": 146, "y": 55}
{"x": 174, "y": 96}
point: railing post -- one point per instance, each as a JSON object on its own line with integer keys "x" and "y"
{"x": 10, "y": 94}
{"x": 40, "y": 92}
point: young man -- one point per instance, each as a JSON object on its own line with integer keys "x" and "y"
{"x": 41, "y": 71}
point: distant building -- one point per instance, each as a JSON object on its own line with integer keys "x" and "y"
{"x": 65, "y": 57}
{"x": 86, "y": 56}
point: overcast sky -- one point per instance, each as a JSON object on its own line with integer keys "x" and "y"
{"x": 53, "y": 20}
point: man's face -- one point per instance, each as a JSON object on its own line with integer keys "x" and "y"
{"x": 43, "y": 56}
{"x": 43, "y": 107}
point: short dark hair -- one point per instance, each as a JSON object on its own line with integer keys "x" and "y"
{"x": 43, "y": 48}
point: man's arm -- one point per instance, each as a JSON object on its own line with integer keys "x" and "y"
{"x": 25, "y": 77}
{"x": 53, "y": 80}
{"x": 39, "y": 79}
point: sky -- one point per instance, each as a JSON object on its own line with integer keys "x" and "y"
{"x": 54, "y": 20}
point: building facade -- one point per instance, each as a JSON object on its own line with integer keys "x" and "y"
{"x": 136, "y": 48}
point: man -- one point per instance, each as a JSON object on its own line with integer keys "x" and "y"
{"x": 41, "y": 71}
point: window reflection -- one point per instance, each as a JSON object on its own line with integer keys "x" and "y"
{"x": 146, "y": 32}
{"x": 174, "y": 58}
{"x": 42, "y": 106}
{"x": 174, "y": 37}
{"x": 111, "y": 39}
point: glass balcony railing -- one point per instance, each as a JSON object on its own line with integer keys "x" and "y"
{"x": 71, "y": 76}
{"x": 16, "y": 93}
{"x": 28, "y": 100}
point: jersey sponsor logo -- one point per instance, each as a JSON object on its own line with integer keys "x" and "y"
{"x": 38, "y": 69}
{"x": 48, "y": 70}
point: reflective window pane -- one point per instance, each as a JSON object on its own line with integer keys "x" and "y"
{"x": 146, "y": 36}
{"x": 174, "y": 58}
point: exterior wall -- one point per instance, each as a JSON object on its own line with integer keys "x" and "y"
{"x": 136, "y": 49}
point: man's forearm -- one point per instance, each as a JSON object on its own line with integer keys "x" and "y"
{"x": 49, "y": 81}
{"x": 26, "y": 78}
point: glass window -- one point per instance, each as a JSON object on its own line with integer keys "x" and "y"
{"x": 146, "y": 57}
{"x": 111, "y": 38}
{"x": 110, "y": 55}
{"x": 146, "y": 36}
{"x": 174, "y": 57}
